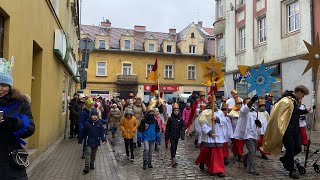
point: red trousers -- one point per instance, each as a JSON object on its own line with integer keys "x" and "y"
{"x": 225, "y": 150}
{"x": 304, "y": 137}
{"x": 212, "y": 157}
{"x": 237, "y": 146}
{"x": 259, "y": 144}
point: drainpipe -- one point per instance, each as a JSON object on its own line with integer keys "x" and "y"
{"x": 314, "y": 75}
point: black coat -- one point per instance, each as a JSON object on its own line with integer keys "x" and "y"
{"x": 182, "y": 105}
{"x": 75, "y": 109}
{"x": 293, "y": 127}
{"x": 18, "y": 124}
{"x": 175, "y": 128}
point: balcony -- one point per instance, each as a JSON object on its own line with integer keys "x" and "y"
{"x": 127, "y": 79}
{"x": 219, "y": 26}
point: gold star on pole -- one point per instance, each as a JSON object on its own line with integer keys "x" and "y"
{"x": 213, "y": 75}
{"x": 313, "y": 56}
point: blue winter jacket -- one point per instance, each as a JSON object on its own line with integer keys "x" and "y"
{"x": 92, "y": 133}
{"x": 149, "y": 130}
{"x": 85, "y": 116}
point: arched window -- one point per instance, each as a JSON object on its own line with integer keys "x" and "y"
{"x": 192, "y": 35}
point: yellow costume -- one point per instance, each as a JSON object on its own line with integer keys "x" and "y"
{"x": 278, "y": 124}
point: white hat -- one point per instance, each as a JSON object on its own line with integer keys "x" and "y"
{"x": 82, "y": 96}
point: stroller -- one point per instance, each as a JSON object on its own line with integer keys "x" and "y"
{"x": 302, "y": 165}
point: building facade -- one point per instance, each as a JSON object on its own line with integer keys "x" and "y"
{"x": 123, "y": 59}
{"x": 272, "y": 31}
{"x": 42, "y": 35}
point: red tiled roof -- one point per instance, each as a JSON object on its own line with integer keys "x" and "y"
{"x": 210, "y": 31}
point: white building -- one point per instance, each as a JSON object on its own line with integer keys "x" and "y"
{"x": 249, "y": 31}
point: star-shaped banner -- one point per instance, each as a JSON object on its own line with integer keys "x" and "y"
{"x": 260, "y": 79}
{"x": 213, "y": 75}
{"x": 313, "y": 56}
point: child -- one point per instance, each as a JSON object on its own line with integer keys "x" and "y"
{"x": 161, "y": 125}
{"x": 248, "y": 128}
{"x": 93, "y": 132}
{"x": 128, "y": 126}
{"x": 237, "y": 144}
{"x": 174, "y": 131}
{"x": 303, "y": 131}
{"x": 211, "y": 153}
{"x": 149, "y": 132}
{"x": 186, "y": 113}
{"x": 227, "y": 131}
{"x": 264, "y": 117}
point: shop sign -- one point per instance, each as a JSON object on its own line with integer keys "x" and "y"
{"x": 60, "y": 44}
{"x": 147, "y": 87}
{"x": 170, "y": 88}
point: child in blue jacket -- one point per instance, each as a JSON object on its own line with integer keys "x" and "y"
{"x": 149, "y": 132}
{"x": 92, "y": 132}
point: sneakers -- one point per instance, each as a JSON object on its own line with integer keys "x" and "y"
{"x": 263, "y": 156}
{"x": 285, "y": 165}
{"x": 293, "y": 175}
{"x": 86, "y": 169}
{"x": 132, "y": 158}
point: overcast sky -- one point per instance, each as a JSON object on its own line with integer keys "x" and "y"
{"x": 157, "y": 15}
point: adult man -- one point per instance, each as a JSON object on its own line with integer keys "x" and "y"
{"x": 192, "y": 98}
{"x": 232, "y": 101}
{"x": 157, "y": 102}
{"x": 269, "y": 102}
{"x": 288, "y": 113}
{"x": 197, "y": 107}
{"x": 75, "y": 110}
{"x": 182, "y": 105}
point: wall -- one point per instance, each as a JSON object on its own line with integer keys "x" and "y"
{"x": 28, "y": 23}
{"x": 198, "y": 41}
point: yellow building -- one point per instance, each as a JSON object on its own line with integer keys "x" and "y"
{"x": 123, "y": 58}
{"x": 42, "y": 35}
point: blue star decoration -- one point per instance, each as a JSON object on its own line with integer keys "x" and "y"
{"x": 260, "y": 79}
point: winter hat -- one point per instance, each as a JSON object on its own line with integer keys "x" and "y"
{"x": 82, "y": 96}
{"x": 156, "y": 110}
{"x": 89, "y": 102}
{"x": 94, "y": 112}
{"x": 6, "y": 71}
{"x": 129, "y": 111}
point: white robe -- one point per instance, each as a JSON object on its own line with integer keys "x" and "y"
{"x": 205, "y": 128}
{"x": 246, "y": 127}
{"x": 227, "y": 128}
{"x": 263, "y": 117}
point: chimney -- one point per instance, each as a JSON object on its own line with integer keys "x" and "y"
{"x": 106, "y": 24}
{"x": 200, "y": 24}
{"x": 172, "y": 31}
{"x": 138, "y": 28}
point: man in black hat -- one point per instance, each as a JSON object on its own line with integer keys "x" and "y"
{"x": 75, "y": 110}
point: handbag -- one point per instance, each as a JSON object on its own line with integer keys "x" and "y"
{"x": 19, "y": 159}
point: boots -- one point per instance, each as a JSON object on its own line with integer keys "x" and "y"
{"x": 145, "y": 163}
{"x": 150, "y": 165}
{"x": 201, "y": 166}
{"x": 86, "y": 169}
{"x": 226, "y": 161}
{"x": 92, "y": 165}
{"x": 293, "y": 174}
{"x": 196, "y": 142}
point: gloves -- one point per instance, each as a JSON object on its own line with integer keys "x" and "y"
{"x": 254, "y": 98}
{"x": 258, "y": 123}
{"x": 12, "y": 123}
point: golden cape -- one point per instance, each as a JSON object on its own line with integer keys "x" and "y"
{"x": 205, "y": 117}
{"x": 278, "y": 124}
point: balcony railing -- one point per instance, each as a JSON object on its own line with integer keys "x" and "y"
{"x": 127, "y": 79}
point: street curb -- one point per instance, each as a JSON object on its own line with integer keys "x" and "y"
{"x": 114, "y": 160}
{"x": 44, "y": 155}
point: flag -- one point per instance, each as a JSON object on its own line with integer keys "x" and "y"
{"x": 153, "y": 76}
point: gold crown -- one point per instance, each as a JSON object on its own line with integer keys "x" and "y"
{"x": 261, "y": 102}
{"x": 175, "y": 106}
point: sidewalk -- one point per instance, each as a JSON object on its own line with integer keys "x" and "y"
{"x": 64, "y": 162}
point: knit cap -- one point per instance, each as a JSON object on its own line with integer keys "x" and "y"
{"x": 6, "y": 71}
{"x": 94, "y": 112}
{"x": 89, "y": 102}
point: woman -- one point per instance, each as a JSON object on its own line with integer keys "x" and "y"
{"x": 138, "y": 109}
{"x": 114, "y": 119}
{"x": 16, "y": 123}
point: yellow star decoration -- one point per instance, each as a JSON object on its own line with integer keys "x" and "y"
{"x": 313, "y": 56}
{"x": 213, "y": 74}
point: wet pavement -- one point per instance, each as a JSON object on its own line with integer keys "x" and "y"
{"x": 64, "y": 162}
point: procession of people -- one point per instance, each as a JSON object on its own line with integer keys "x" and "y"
{"x": 217, "y": 130}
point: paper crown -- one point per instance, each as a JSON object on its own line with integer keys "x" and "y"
{"x": 6, "y": 68}
{"x": 238, "y": 100}
{"x": 156, "y": 92}
{"x": 202, "y": 93}
{"x": 261, "y": 102}
{"x": 224, "y": 106}
{"x": 175, "y": 106}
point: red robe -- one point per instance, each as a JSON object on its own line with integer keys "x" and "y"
{"x": 193, "y": 111}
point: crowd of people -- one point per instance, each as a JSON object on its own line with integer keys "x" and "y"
{"x": 215, "y": 127}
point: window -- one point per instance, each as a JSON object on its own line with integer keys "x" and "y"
{"x": 149, "y": 68}
{"x": 168, "y": 71}
{"x": 242, "y": 39}
{"x": 169, "y": 48}
{"x": 221, "y": 10}
{"x": 221, "y": 47}
{"x": 192, "y": 35}
{"x": 102, "y": 44}
{"x": 191, "y": 72}
{"x": 101, "y": 69}
{"x": 126, "y": 67}
{"x": 151, "y": 47}
{"x": 80, "y": 91}
{"x": 127, "y": 44}
{"x": 1, "y": 35}
{"x": 293, "y": 15}
{"x": 262, "y": 30}
{"x": 192, "y": 49}
{"x": 241, "y": 2}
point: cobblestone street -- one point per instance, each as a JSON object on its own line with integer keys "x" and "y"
{"x": 64, "y": 162}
